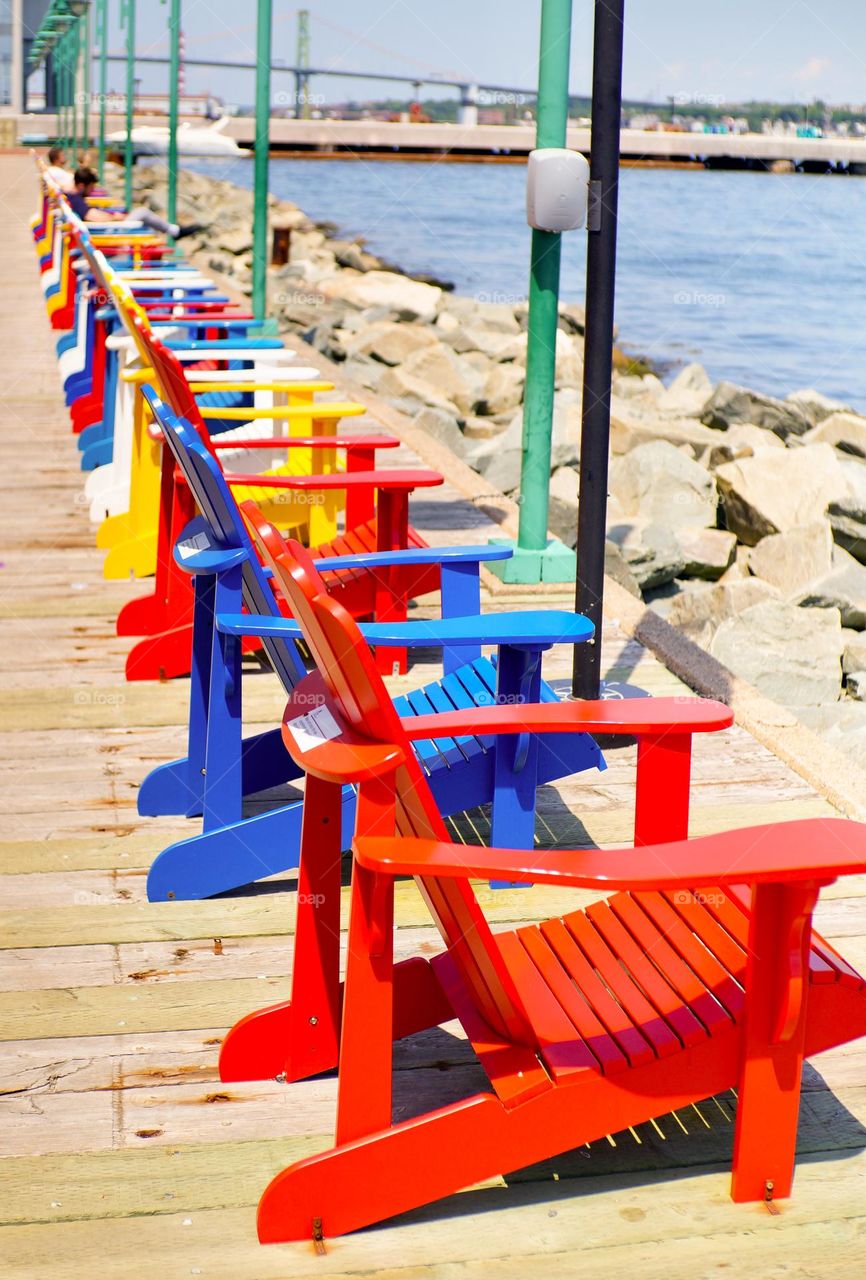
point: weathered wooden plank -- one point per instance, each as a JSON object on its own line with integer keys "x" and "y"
{"x": 616, "y": 1226}
{"x": 151, "y": 1178}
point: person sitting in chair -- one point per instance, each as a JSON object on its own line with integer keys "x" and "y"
{"x": 83, "y": 184}
{"x": 58, "y": 171}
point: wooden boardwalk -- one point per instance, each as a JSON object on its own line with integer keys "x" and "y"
{"x": 122, "y": 1154}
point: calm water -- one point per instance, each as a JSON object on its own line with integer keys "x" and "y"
{"x": 761, "y": 277}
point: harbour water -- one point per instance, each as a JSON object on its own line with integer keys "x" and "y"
{"x": 761, "y": 277}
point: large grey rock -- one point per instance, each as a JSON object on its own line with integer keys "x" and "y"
{"x": 615, "y": 567}
{"x": 742, "y": 440}
{"x": 790, "y": 561}
{"x": 855, "y": 686}
{"x": 408, "y": 299}
{"x": 494, "y": 344}
{"x": 773, "y": 492}
{"x": 650, "y": 550}
{"x": 442, "y": 426}
{"x": 499, "y": 458}
{"x": 792, "y": 655}
{"x": 729, "y": 404}
{"x": 854, "y": 652}
{"x": 562, "y": 516}
{"x": 844, "y": 588}
{"x": 846, "y": 431}
{"x": 436, "y": 374}
{"x": 688, "y": 393}
{"x": 847, "y": 513}
{"x": 658, "y": 482}
{"x": 841, "y": 725}
{"x": 708, "y": 552}
{"x": 630, "y": 427}
{"x": 391, "y": 343}
{"x": 815, "y": 405}
{"x": 701, "y": 612}
{"x": 503, "y": 389}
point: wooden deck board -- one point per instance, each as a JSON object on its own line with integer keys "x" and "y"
{"x": 122, "y": 1154}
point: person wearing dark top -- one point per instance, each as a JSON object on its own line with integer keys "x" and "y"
{"x": 84, "y": 183}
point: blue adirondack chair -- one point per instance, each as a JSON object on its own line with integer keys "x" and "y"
{"x": 221, "y": 767}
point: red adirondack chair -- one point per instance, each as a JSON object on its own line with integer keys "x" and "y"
{"x": 701, "y": 973}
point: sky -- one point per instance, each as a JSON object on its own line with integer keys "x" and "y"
{"x": 728, "y": 50}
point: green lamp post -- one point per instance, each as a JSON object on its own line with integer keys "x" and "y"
{"x": 173, "y": 106}
{"x": 553, "y": 184}
{"x": 101, "y": 34}
{"x": 260, "y": 183}
{"x": 127, "y": 21}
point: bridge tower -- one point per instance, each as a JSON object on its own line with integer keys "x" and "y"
{"x": 302, "y": 64}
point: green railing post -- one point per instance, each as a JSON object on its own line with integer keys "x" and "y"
{"x": 102, "y": 37}
{"x": 260, "y": 186}
{"x": 127, "y": 17}
{"x": 75, "y": 60}
{"x": 85, "y": 78}
{"x": 173, "y": 106}
{"x": 551, "y": 130}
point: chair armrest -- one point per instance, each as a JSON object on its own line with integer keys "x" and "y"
{"x": 285, "y": 385}
{"x": 406, "y": 480}
{"x": 412, "y": 555}
{"x": 327, "y": 411}
{"x": 635, "y": 717}
{"x": 198, "y": 348}
{"x": 497, "y": 628}
{"x": 817, "y": 850}
{"x": 349, "y": 443}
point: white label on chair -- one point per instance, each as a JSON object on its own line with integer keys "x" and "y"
{"x": 317, "y": 726}
{"x": 198, "y": 542}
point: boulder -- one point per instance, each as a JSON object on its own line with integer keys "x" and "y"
{"x": 650, "y": 550}
{"x": 855, "y": 686}
{"x": 494, "y": 344}
{"x": 708, "y": 552}
{"x": 790, "y": 561}
{"x": 503, "y": 389}
{"x": 688, "y": 393}
{"x": 729, "y": 404}
{"x": 658, "y": 482}
{"x": 442, "y": 426}
{"x": 407, "y": 299}
{"x": 773, "y": 492}
{"x": 816, "y": 406}
{"x": 615, "y": 567}
{"x": 410, "y": 394}
{"x": 845, "y": 431}
{"x": 448, "y": 375}
{"x": 498, "y": 317}
{"x": 368, "y": 372}
{"x": 742, "y": 440}
{"x": 562, "y": 516}
{"x": 389, "y": 342}
{"x": 630, "y": 427}
{"x": 238, "y": 240}
{"x": 485, "y": 428}
{"x": 844, "y": 588}
{"x": 847, "y": 513}
{"x": 791, "y": 655}
{"x": 854, "y": 652}
{"x": 841, "y": 724}
{"x": 700, "y": 613}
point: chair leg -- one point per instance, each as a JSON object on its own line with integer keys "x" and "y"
{"x": 777, "y": 983}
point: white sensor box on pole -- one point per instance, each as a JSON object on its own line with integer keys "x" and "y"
{"x": 557, "y": 189}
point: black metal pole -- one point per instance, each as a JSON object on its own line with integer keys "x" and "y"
{"x": 598, "y": 349}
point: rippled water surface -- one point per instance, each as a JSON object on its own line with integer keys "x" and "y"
{"x": 762, "y": 277}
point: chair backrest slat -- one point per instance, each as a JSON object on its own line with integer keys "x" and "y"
{"x": 216, "y": 502}
{"x": 346, "y": 665}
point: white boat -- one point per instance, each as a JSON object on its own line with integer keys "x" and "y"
{"x": 192, "y": 140}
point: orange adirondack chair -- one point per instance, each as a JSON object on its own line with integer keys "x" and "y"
{"x": 659, "y": 996}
